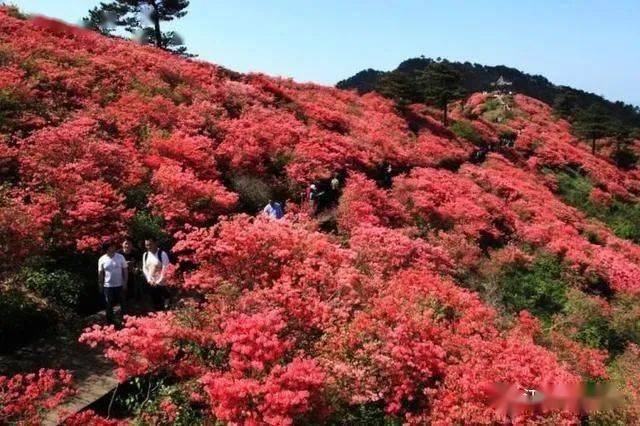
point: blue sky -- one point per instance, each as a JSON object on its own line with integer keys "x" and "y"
{"x": 592, "y": 45}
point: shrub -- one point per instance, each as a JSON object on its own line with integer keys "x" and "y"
{"x": 26, "y": 398}
{"x": 621, "y": 217}
{"x": 21, "y": 319}
{"x": 11, "y": 106}
{"x": 62, "y": 288}
{"x": 466, "y": 131}
{"x": 574, "y": 189}
{"x": 591, "y": 325}
{"x": 491, "y": 104}
{"x": 539, "y": 288}
{"x": 138, "y": 196}
{"x": 625, "y": 158}
{"x": 145, "y": 225}
{"x": 165, "y": 404}
{"x": 624, "y": 220}
{"x": 624, "y": 319}
{"x": 15, "y": 12}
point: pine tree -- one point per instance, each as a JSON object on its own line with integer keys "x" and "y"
{"x": 398, "y": 86}
{"x": 441, "y": 85}
{"x": 623, "y": 155}
{"x": 591, "y": 124}
{"x": 564, "y": 104}
{"x": 142, "y": 17}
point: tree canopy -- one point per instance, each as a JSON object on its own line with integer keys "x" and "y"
{"x": 142, "y": 18}
{"x": 441, "y": 84}
{"x": 591, "y": 124}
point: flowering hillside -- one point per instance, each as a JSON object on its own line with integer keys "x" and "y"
{"x": 414, "y": 299}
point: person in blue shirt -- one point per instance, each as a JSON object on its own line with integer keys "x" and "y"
{"x": 273, "y": 210}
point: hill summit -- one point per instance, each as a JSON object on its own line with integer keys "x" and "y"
{"x": 445, "y": 262}
{"x": 479, "y": 78}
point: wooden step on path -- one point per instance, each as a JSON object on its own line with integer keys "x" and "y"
{"x": 93, "y": 375}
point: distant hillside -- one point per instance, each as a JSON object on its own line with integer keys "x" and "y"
{"x": 477, "y": 78}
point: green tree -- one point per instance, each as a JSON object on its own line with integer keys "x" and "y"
{"x": 397, "y": 86}
{"x": 591, "y": 124}
{"x": 441, "y": 84}
{"x": 564, "y": 103}
{"x": 623, "y": 155}
{"x": 143, "y": 18}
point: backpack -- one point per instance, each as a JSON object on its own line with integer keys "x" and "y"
{"x": 160, "y": 251}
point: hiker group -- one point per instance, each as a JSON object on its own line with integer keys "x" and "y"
{"x": 128, "y": 278}
{"x": 125, "y": 277}
{"x": 316, "y": 197}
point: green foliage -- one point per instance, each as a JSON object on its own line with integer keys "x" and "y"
{"x": 21, "y": 319}
{"x": 491, "y": 104}
{"x": 498, "y": 109}
{"x": 143, "y": 397}
{"x": 623, "y": 155}
{"x": 11, "y": 106}
{"x": 363, "y": 415}
{"x": 400, "y": 87}
{"x": 142, "y": 18}
{"x": 592, "y": 326}
{"x": 575, "y": 189}
{"x": 625, "y": 317}
{"x": 465, "y": 130}
{"x": 539, "y": 288}
{"x": 15, "y": 12}
{"x": 621, "y": 217}
{"x": 591, "y": 124}
{"x": 564, "y": 104}
{"x": 60, "y": 287}
{"x": 625, "y": 158}
{"x": 146, "y": 225}
{"x": 138, "y": 196}
{"x": 440, "y": 85}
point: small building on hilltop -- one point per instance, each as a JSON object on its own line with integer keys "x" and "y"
{"x": 501, "y": 85}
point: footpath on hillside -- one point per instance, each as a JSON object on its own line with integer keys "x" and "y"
{"x": 93, "y": 375}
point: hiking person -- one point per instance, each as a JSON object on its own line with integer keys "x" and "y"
{"x": 312, "y": 191}
{"x": 314, "y": 197}
{"x": 335, "y": 183}
{"x": 334, "y": 186}
{"x": 135, "y": 284}
{"x": 154, "y": 264}
{"x": 274, "y": 210}
{"x": 388, "y": 176}
{"x": 112, "y": 279}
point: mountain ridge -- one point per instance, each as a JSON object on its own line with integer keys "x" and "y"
{"x": 478, "y": 78}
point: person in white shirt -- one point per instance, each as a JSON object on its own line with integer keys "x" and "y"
{"x": 154, "y": 265}
{"x": 112, "y": 279}
{"x": 273, "y": 210}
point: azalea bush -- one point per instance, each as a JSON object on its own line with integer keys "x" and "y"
{"x": 297, "y": 322}
{"x": 25, "y": 399}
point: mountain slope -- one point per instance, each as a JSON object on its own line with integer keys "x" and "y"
{"x": 478, "y": 78}
{"x": 422, "y": 287}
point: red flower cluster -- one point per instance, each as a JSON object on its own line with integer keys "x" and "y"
{"x": 291, "y": 316}
{"x": 25, "y": 398}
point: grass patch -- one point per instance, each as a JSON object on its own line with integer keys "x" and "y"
{"x": 538, "y": 288}
{"x": 465, "y": 130}
{"x": 621, "y": 217}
